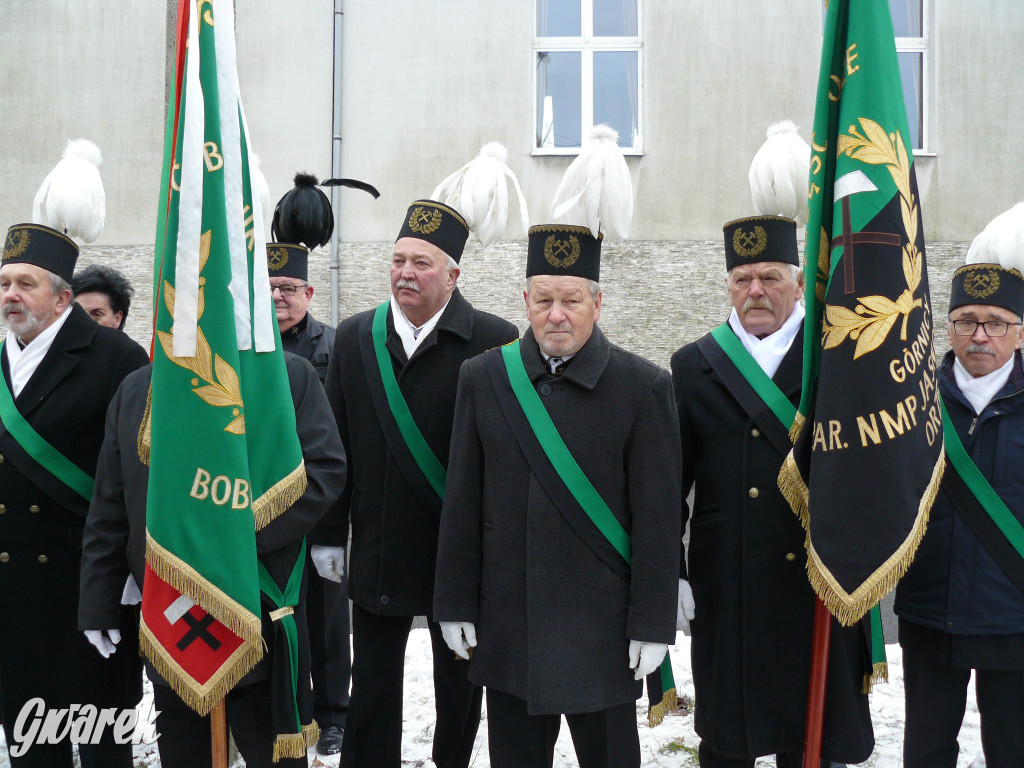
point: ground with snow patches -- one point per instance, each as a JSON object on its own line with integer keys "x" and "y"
{"x": 673, "y": 743}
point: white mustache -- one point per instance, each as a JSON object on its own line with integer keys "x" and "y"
{"x": 980, "y": 349}
{"x": 762, "y": 303}
{"x": 407, "y": 284}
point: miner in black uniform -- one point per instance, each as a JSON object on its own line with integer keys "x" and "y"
{"x": 60, "y": 371}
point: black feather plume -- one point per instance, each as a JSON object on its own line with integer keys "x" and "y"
{"x": 353, "y": 183}
{"x": 303, "y": 214}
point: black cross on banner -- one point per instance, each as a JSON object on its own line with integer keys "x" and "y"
{"x": 848, "y": 238}
{"x": 197, "y": 630}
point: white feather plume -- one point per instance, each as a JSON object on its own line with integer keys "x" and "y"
{"x": 259, "y": 183}
{"x": 596, "y": 191}
{"x": 779, "y": 172}
{"x": 479, "y": 191}
{"x": 71, "y": 198}
{"x": 1001, "y": 242}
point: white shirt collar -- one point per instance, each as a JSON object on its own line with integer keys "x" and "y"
{"x": 979, "y": 390}
{"x": 769, "y": 351}
{"x": 560, "y": 360}
{"x": 412, "y": 335}
{"x": 23, "y": 362}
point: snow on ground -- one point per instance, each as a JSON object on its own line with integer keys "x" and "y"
{"x": 673, "y": 743}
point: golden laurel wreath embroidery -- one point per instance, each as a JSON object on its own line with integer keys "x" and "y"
{"x": 561, "y": 253}
{"x": 16, "y": 245}
{"x": 276, "y": 259}
{"x": 424, "y": 220}
{"x": 874, "y": 316}
{"x": 749, "y": 244}
{"x": 981, "y": 284}
{"x": 221, "y": 386}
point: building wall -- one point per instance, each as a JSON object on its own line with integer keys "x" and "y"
{"x": 426, "y": 82}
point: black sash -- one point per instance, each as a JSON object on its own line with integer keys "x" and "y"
{"x": 745, "y": 394}
{"x": 545, "y": 473}
{"x": 419, "y": 484}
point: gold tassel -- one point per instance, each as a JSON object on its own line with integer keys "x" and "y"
{"x": 289, "y": 745}
{"x": 145, "y": 433}
{"x": 794, "y": 489}
{"x": 279, "y": 497}
{"x": 796, "y": 426}
{"x": 201, "y": 698}
{"x": 879, "y": 674}
{"x": 657, "y": 712}
{"x": 311, "y": 733}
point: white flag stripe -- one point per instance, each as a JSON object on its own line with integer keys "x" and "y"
{"x": 265, "y": 319}
{"x": 190, "y": 204}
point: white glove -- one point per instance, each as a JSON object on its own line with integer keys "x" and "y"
{"x": 105, "y": 640}
{"x": 460, "y": 636}
{"x": 131, "y": 594}
{"x": 645, "y": 657}
{"x": 329, "y": 561}
{"x": 686, "y": 607}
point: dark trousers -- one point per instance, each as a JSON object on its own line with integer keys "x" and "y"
{"x": 708, "y": 758}
{"x": 373, "y": 730}
{"x": 604, "y": 739}
{"x": 936, "y": 698}
{"x": 329, "y": 655}
{"x": 185, "y": 740}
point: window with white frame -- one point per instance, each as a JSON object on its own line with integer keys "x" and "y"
{"x": 911, "y": 24}
{"x": 587, "y": 56}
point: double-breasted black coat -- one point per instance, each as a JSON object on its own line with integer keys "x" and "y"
{"x": 115, "y": 534}
{"x": 42, "y": 653}
{"x": 751, "y": 637}
{"x": 394, "y": 534}
{"x": 553, "y": 622}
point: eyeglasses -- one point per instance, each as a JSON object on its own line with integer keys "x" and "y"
{"x": 993, "y": 328}
{"x": 287, "y": 289}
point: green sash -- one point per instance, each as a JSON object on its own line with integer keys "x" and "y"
{"x": 980, "y": 487}
{"x": 44, "y": 454}
{"x": 425, "y": 459}
{"x": 755, "y": 376}
{"x": 558, "y": 454}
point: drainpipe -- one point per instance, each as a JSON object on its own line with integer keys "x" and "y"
{"x": 336, "y": 164}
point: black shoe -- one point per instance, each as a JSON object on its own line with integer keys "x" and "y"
{"x": 330, "y": 740}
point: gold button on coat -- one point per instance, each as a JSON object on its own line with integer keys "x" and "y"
{"x": 34, "y": 509}
{"x": 790, "y": 557}
{"x": 4, "y": 557}
{"x": 753, "y": 493}
{"x": 1, "y": 458}
{"x": 755, "y": 432}
{"x": 3, "y": 508}
{"x": 43, "y": 559}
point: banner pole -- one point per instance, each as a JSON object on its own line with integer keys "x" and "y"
{"x": 816, "y": 687}
{"x": 219, "y": 735}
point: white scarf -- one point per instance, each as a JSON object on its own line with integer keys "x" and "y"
{"x": 979, "y": 390}
{"x": 412, "y": 335}
{"x": 23, "y": 362}
{"x": 769, "y": 351}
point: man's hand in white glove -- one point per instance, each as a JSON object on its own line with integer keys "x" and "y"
{"x": 460, "y": 636}
{"x": 105, "y": 640}
{"x": 686, "y": 607}
{"x": 329, "y": 561}
{"x": 645, "y": 657}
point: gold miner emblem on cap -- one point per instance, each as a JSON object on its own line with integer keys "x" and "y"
{"x": 277, "y": 258}
{"x": 749, "y": 244}
{"x": 561, "y": 253}
{"x": 16, "y": 245}
{"x": 424, "y": 220}
{"x": 980, "y": 284}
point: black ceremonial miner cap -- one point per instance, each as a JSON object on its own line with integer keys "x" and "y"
{"x": 988, "y": 284}
{"x": 437, "y": 224}
{"x": 288, "y": 260}
{"x": 564, "y": 249}
{"x": 760, "y": 238}
{"x": 42, "y": 247}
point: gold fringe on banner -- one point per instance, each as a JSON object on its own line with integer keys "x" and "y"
{"x": 879, "y": 674}
{"x": 794, "y": 489}
{"x": 295, "y": 744}
{"x": 656, "y": 713}
{"x": 796, "y": 426}
{"x": 201, "y": 698}
{"x": 849, "y": 608}
{"x": 145, "y": 434}
{"x": 279, "y": 497}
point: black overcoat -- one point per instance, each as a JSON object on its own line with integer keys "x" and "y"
{"x": 553, "y": 621}
{"x": 751, "y": 637}
{"x": 41, "y": 521}
{"x": 115, "y": 533}
{"x": 394, "y": 534}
